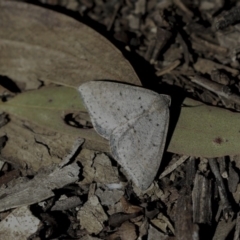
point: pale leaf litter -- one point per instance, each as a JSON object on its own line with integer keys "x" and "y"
{"x": 19, "y": 224}
{"x": 134, "y": 120}
{"x": 24, "y": 14}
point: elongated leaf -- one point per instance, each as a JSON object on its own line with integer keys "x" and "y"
{"x": 206, "y": 131}
{"x": 201, "y": 130}
{"x": 40, "y": 44}
{"x": 37, "y": 133}
{"x": 47, "y": 108}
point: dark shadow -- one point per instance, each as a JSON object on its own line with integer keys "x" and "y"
{"x": 9, "y": 84}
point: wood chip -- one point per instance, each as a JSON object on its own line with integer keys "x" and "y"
{"x": 92, "y": 216}
{"x": 19, "y": 224}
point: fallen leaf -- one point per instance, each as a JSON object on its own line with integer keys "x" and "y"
{"x": 19, "y": 224}
{"x": 119, "y": 218}
{"x": 38, "y": 118}
{"x": 127, "y": 231}
{"x": 86, "y": 157}
{"x": 205, "y": 131}
{"x": 88, "y": 237}
{"x": 224, "y": 228}
{"x": 163, "y": 223}
{"x": 39, "y": 188}
{"x": 39, "y": 44}
{"x": 109, "y": 197}
{"x": 153, "y": 234}
{"x": 92, "y": 216}
{"x": 47, "y": 107}
{"x": 128, "y": 207}
{"x": 67, "y": 203}
{"x": 104, "y": 171}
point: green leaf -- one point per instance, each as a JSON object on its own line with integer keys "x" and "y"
{"x": 205, "y": 131}
{"x": 201, "y": 130}
{"x": 47, "y": 108}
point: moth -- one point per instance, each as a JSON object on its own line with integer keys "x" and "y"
{"x": 134, "y": 120}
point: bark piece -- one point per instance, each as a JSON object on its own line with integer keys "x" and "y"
{"x": 237, "y": 228}
{"x": 38, "y": 189}
{"x": 19, "y": 224}
{"x": 97, "y": 168}
{"x": 206, "y": 66}
{"x": 201, "y": 197}
{"x": 163, "y": 223}
{"x": 154, "y": 234}
{"x": 127, "y": 231}
{"x": 104, "y": 171}
{"x": 65, "y": 204}
{"x": 109, "y": 197}
{"x": 88, "y": 237}
{"x": 223, "y": 229}
{"x": 34, "y": 146}
{"x": 225, "y": 203}
{"x": 233, "y": 179}
{"x": 118, "y": 219}
{"x": 92, "y": 216}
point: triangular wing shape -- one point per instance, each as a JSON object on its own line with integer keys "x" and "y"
{"x": 135, "y": 120}
{"x": 138, "y": 145}
{"x": 112, "y": 104}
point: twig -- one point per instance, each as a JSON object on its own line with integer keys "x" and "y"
{"x": 219, "y": 89}
{"x": 180, "y": 4}
{"x": 226, "y": 206}
{"x": 210, "y": 46}
{"x": 228, "y": 18}
{"x": 174, "y": 166}
{"x": 237, "y": 228}
{"x": 74, "y": 148}
{"x": 185, "y": 51}
{"x": 162, "y": 38}
{"x": 168, "y": 69}
{"x": 114, "y": 14}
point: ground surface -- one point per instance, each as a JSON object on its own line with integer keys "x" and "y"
{"x": 183, "y": 49}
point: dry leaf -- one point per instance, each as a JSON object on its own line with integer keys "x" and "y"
{"x": 88, "y": 237}
{"x": 92, "y": 216}
{"x": 223, "y": 229}
{"x": 19, "y": 224}
{"x": 86, "y": 157}
{"x": 128, "y": 207}
{"x": 127, "y": 231}
{"x": 118, "y": 219}
{"x": 97, "y": 168}
{"x": 67, "y": 203}
{"x": 162, "y": 223}
{"x": 39, "y": 188}
{"x": 104, "y": 171}
{"x": 109, "y": 197}
{"x": 153, "y": 234}
{"x": 37, "y": 43}
{"x": 34, "y": 147}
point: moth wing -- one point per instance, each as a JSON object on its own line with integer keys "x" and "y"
{"x": 112, "y": 104}
{"x": 138, "y": 145}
